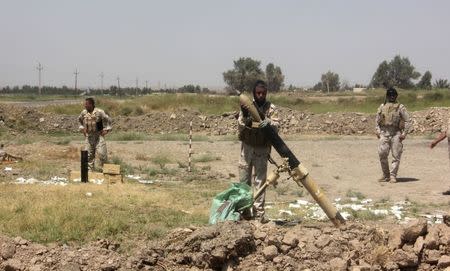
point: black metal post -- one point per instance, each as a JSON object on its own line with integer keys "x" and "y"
{"x": 84, "y": 166}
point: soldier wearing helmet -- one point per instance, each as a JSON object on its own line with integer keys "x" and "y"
{"x": 392, "y": 126}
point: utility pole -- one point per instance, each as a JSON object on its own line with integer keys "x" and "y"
{"x": 118, "y": 85}
{"x": 76, "y": 78}
{"x": 146, "y": 84}
{"x": 40, "y": 68}
{"x": 137, "y": 85}
{"x": 102, "y": 75}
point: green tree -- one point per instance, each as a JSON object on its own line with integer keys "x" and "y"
{"x": 398, "y": 72}
{"x": 244, "y": 74}
{"x": 381, "y": 77}
{"x": 425, "y": 81}
{"x": 274, "y": 77}
{"x": 441, "y": 83}
{"x": 330, "y": 81}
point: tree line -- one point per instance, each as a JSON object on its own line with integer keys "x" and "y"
{"x": 398, "y": 72}
{"x": 111, "y": 91}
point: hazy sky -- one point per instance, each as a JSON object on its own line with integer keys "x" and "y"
{"x": 195, "y": 41}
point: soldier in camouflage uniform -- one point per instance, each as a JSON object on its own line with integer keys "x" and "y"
{"x": 95, "y": 124}
{"x": 392, "y": 126}
{"x": 255, "y": 148}
{"x": 445, "y": 133}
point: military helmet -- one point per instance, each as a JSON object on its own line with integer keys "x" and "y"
{"x": 391, "y": 92}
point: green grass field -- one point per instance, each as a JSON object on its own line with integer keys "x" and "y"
{"x": 366, "y": 102}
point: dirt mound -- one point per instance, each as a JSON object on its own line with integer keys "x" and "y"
{"x": 251, "y": 246}
{"x": 19, "y": 118}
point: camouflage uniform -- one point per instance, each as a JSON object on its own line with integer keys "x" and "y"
{"x": 94, "y": 123}
{"x": 392, "y": 121}
{"x": 255, "y": 150}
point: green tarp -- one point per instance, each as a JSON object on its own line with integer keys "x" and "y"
{"x": 228, "y": 204}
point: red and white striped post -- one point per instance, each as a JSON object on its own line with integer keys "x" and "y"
{"x": 190, "y": 146}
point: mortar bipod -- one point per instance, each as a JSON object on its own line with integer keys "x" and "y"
{"x": 273, "y": 177}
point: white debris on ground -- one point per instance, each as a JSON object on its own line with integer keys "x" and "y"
{"x": 22, "y": 180}
{"x": 285, "y": 212}
{"x": 434, "y": 219}
{"x": 8, "y": 169}
{"x": 96, "y": 181}
{"x": 139, "y": 179}
{"x": 398, "y": 210}
{"x": 55, "y": 180}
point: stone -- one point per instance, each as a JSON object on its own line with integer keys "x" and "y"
{"x": 270, "y": 252}
{"x": 431, "y": 256}
{"x": 323, "y": 241}
{"x": 418, "y": 245}
{"x": 13, "y": 265}
{"x": 338, "y": 264}
{"x": 354, "y": 244}
{"x": 71, "y": 267}
{"x": 444, "y": 261}
{"x": 273, "y": 240}
{"x": 285, "y": 249}
{"x": 290, "y": 239}
{"x": 20, "y": 241}
{"x": 405, "y": 259}
{"x": 36, "y": 268}
{"x": 7, "y": 250}
{"x": 259, "y": 235}
{"x": 432, "y": 238}
{"x": 444, "y": 234}
{"x": 414, "y": 229}
{"x": 395, "y": 239}
{"x": 278, "y": 259}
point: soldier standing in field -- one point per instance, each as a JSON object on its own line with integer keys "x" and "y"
{"x": 255, "y": 147}
{"x": 392, "y": 126}
{"x": 95, "y": 124}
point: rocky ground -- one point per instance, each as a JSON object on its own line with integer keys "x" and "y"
{"x": 250, "y": 246}
{"x": 19, "y": 118}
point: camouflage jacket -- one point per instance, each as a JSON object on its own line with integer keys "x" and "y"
{"x": 95, "y": 121}
{"x": 392, "y": 119}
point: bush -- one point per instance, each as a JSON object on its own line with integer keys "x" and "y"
{"x": 434, "y": 96}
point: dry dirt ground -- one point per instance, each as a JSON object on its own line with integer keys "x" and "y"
{"x": 338, "y": 164}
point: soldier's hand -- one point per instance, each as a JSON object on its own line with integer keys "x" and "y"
{"x": 244, "y": 109}
{"x": 402, "y": 137}
{"x": 433, "y": 144}
{"x": 264, "y": 123}
{"x": 378, "y": 135}
{"x": 104, "y": 132}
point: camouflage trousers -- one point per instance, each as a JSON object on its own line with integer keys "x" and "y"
{"x": 96, "y": 144}
{"x": 254, "y": 158}
{"x": 394, "y": 145}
